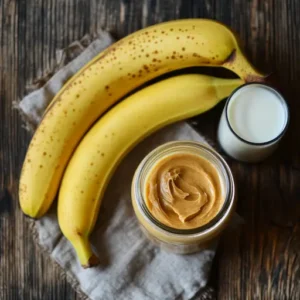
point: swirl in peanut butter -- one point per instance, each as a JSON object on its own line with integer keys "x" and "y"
{"x": 183, "y": 191}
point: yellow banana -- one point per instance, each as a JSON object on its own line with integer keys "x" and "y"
{"x": 102, "y": 148}
{"x": 115, "y": 72}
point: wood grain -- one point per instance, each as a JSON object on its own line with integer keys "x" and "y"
{"x": 258, "y": 261}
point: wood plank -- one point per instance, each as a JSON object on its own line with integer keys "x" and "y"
{"x": 261, "y": 261}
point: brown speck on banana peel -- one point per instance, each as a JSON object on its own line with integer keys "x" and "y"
{"x": 92, "y": 262}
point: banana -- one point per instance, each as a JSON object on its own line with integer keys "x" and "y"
{"x": 102, "y": 148}
{"x": 114, "y": 73}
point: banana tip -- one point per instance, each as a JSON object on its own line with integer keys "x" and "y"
{"x": 92, "y": 262}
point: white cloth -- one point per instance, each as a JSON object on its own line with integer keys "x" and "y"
{"x": 131, "y": 267}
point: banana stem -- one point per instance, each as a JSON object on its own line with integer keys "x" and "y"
{"x": 238, "y": 63}
{"x": 84, "y": 252}
{"x": 224, "y": 87}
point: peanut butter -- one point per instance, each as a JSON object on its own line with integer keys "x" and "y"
{"x": 183, "y": 191}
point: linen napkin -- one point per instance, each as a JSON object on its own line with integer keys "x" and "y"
{"x": 131, "y": 266}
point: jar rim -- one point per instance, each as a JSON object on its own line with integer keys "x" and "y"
{"x": 280, "y": 98}
{"x": 205, "y": 228}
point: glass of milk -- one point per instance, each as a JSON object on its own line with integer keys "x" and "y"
{"x": 253, "y": 121}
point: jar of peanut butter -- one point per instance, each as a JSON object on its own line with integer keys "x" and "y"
{"x": 183, "y": 195}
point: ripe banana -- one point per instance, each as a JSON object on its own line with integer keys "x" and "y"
{"x": 102, "y": 148}
{"x": 115, "y": 72}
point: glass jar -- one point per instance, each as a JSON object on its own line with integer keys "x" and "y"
{"x": 253, "y": 110}
{"x": 183, "y": 241}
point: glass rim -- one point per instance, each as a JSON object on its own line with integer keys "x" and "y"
{"x": 221, "y": 215}
{"x": 282, "y": 100}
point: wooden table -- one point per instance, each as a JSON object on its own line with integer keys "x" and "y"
{"x": 262, "y": 259}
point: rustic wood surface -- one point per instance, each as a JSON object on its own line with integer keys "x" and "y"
{"x": 262, "y": 259}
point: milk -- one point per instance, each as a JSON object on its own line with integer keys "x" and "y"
{"x": 252, "y": 123}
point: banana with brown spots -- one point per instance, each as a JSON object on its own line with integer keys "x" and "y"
{"x": 115, "y": 72}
